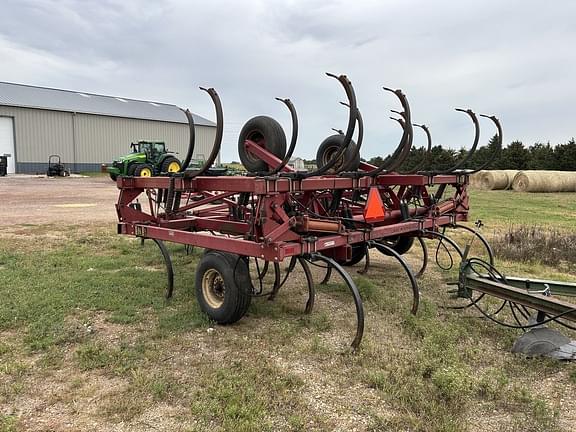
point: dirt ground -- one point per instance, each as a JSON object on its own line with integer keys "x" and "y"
{"x": 27, "y": 199}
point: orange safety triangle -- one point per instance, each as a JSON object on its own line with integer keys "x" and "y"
{"x": 374, "y": 209}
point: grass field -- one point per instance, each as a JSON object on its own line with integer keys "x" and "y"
{"x": 87, "y": 342}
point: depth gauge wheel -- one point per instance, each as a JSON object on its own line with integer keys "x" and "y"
{"x": 265, "y": 132}
{"x": 223, "y": 286}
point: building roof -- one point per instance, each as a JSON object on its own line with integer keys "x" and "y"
{"x": 21, "y": 95}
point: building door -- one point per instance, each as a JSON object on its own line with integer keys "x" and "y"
{"x": 7, "y": 142}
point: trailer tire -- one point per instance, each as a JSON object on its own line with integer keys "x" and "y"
{"x": 350, "y": 160}
{"x": 223, "y": 286}
{"x": 400, "y": 244}
{"x": 266, "y": 132}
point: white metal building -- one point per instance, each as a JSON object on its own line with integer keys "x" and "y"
{"x": 86, "y": 129}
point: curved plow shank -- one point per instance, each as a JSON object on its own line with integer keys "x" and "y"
{"x": 294, "y": 117}
{"x": 420, "y": 272}
{"x": 428, "y": 151}
{"x": 360, "y": 138}
{"x": 414, "y": 284}
{"x": 366, "y": 267}
{"x": 349, "y": 131}
{"x": 355, "y": 293}
{"x": 276, "y": 286}
{"x": 169, "y": 267}
{"x": 424, "y": 257}
{"x": 403, "y": 148}
{"x": 217, "y": 139}
{"x": 192, "y": 142}
{"x": 310, "y": 282}
{"x": 327, "y": 276}
{"x": 280, "y": 283}
{"x": 289, "y": 270}
{"x": 498, "y": 148}
{"x": 472, "y": 150}
{"x": 402, "y": 124}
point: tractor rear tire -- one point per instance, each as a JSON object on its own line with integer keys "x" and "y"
{"x": 329, "y": 147}
{"x": 400, "y": 244}
{"x": 223, "y": 286}
{"x": 267, "y": 133}
{"x": 170, "y": 165}
{"x": 142, "y": 170}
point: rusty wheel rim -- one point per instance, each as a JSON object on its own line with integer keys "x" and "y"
{"x": 213, "y": 288}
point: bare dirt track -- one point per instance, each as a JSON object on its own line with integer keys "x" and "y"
{"x": 58, "y": 201}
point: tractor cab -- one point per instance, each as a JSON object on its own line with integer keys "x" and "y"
{"x": 152, "y": 149}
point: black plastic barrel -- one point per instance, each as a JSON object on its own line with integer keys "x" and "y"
{"x": 3, "y": 165}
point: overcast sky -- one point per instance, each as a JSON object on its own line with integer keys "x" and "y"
{"x": 514, "y": 58}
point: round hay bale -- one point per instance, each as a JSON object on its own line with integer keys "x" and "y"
{"x": 475, "y": 180}
{"x": 545, "y": 181}
{"x": 510, "y": 174}
{"x": 497, "y": 179}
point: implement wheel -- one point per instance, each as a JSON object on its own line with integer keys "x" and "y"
{"x": 265, "y": 132}
{"x": 170, "y": 165}
{"x": 400, "y": 244}
{"x": 223, "y": 286}
{"x": 358, "y": 252}
{"x": 329, "y": 147}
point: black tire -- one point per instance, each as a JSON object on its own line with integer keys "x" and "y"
{"x": 165, "y": 166}
{"x": 268, "y": 133}
{"x": 350, "y": 160}
{"x": 223, "y": 286}
{"x": 358, "y": 253}
{"x": 113, "y": 176}
{"x": 400, "y": 244}
{"x": 139, "y": 169}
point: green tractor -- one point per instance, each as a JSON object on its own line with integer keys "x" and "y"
{"x": 148, "y": 158}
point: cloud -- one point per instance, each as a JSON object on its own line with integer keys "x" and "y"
{"x": 507, "y": 58}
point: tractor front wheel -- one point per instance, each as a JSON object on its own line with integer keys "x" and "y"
{"x": 170, "y": 165}
{"x": 113, "y": 176}
{"x": 223, "y": 286}
{"x": 142, "y": 170}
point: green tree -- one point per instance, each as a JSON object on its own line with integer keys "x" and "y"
{"x": 514, "y": 156}
{"x": 565, "y": 156}
{"x": 542, "y": 157}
